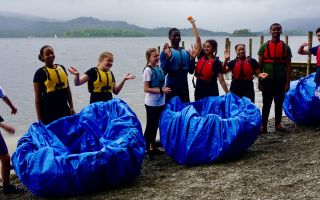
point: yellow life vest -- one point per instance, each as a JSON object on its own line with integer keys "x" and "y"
{"x": 104, "y": 82}
{"x": 57, "y": 79}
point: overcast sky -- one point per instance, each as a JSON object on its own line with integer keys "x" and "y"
{"x": 216, "y": 15}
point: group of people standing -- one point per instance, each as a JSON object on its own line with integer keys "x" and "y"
{"x": 53, "y": 97}
{"x": 162, "y": 82}
{"x": 273, "y": 70}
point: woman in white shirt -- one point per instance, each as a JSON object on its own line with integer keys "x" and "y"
{"x": 153, "y": 78}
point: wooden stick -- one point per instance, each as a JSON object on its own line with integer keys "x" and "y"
{"x": 309, "y": 56}
{"x": 261, "y": 40}
{"x": 250, "y": 47}
{"x": 226, "y": 44}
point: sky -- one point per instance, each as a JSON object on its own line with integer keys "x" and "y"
{"x": 215, "y": 15}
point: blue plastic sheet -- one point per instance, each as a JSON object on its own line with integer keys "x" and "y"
{"x": 209, "y": 129}
{"x": 300, "y": 103}
{"x": 100, "y": 147}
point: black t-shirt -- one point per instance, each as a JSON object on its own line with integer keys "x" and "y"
{"x": 60, "y": 96}
{"x": 54, "y": 104}
{"x": 217, "y": 67}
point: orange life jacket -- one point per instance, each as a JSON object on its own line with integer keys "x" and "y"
{"x": 242, "y": 70}
{"x": 204, "y": 69}
{"x": 275, "y": 52}
{"x": 318, "y": 57}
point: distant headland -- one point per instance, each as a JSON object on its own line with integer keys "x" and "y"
{"x": 27, "y": 26}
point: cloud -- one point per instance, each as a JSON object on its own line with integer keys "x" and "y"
{"x": 226, "y": 15}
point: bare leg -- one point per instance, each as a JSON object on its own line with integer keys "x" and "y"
{"x": 5, "y": 169}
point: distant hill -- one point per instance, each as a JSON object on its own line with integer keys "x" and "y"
{"x": 301, "y": 24}
{"x": 21, "y": 25}
{"x": 298, "y": 26}
{"x": 14, "y": 26}
{"x": 245, "y": 33}
{"x": 26, "y": 17}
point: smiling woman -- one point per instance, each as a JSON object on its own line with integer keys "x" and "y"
{"x": 101, "y": 81}
{"x": 52, "y": 92}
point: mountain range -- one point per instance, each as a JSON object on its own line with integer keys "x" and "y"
{"x": 20, "y": 25}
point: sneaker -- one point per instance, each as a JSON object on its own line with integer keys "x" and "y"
{"x": 281, "y": 128}
{"x": 157, "y": 151}
{"x": 158, "y": 144}
{"x": 11, "y": 189}
{"x": 150, "y": 155}
{"x": 263, "y": 130}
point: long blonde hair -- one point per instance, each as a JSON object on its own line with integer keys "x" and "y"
{"x": 148, "y": 54}
{"x": 104, "y": 55}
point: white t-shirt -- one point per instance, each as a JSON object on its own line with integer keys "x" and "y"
{"x": 2, "y": 94}
{"x": 152, "y": 99}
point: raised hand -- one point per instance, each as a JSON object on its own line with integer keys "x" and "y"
{"x": 194, "y": 51}
{"x": 167, "y": 51}
{"x": 73, "y": 70}
{"x": 190, "y": 19}
{"x": 129, "y": 76}
{"x": 227, "y": 54}
{"x": 305, "y": 44}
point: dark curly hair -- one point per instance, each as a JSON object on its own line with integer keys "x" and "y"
{"x": 40, "y": 56}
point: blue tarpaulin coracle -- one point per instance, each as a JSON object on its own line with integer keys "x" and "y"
{"x": 102, "y": 146}
{"x": 300, "y": 103}
{"x": 209, "y": 129}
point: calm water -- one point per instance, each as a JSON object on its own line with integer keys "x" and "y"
{"x": 19, "y": 63}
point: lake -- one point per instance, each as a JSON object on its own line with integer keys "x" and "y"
{"x": 19, "y": 61}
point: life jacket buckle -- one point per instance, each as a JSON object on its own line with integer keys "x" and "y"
{"x": 59, "y": 86}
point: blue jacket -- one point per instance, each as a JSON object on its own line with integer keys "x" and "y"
{"x": 177, "y": 68}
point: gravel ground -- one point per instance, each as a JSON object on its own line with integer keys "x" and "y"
{"x": 277, "y": 166}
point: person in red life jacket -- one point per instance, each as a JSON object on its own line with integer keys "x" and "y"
{"x": 243, "y": 68}
{"x": 275, "y": 60}
{"x": 208, "y": 70}
{"x": 101, "y": 82}
{"x": 303, "y": 50}
{"x": 53, "y": 97}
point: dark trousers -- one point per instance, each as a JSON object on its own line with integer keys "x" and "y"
{"x": 153, "y": 116}
{"x": 205, "y": 89}
{"x": 272, "y": 89}
{"x": 243, "y": 88}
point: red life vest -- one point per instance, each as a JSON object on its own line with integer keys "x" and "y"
{"x": 275, "y": 52}
{"x": 204, "y": 69}
{"x": 242, "y": 70}
{"x": 318, "y": 57}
